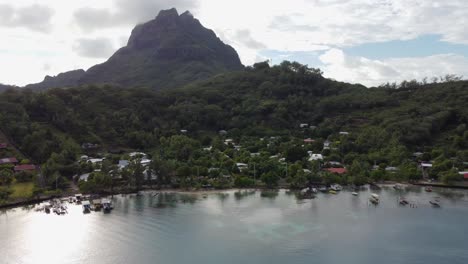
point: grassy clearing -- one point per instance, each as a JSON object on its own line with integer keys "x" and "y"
{"x": 22, "y": 190}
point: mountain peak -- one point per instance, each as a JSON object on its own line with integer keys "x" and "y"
{"x": 168, "y": 51}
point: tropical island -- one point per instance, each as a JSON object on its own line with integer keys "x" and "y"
{"x": 195, "y": 118}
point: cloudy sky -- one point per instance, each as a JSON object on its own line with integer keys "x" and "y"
{"x": 359, "y": 41}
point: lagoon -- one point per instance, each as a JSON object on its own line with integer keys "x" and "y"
{"x": 245, "y": 227}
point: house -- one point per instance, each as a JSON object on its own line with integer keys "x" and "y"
{"x": 426, "y": 165}
{"x": 315, "y": 157}
{"x": 222, "y": 132}
{"x": 256, "y": 154}
{"x": 344, "y": 133}
{"x": 208, "y": 148}
{"x": 183, "y": 131}
{"x": 336, "y": 170}
{"x": 304, "y": 125}
{"x": 326, "y": 144}
{"x": 309, "y": 141}
{"x": 306, "y": 171}
{"x": 241, "y": 166}
{"x": 334, "y": 164}
{"x": 123, "y": 164}
{"x": 391, "y": 169}
{"x": 25, "y": 167}
{"x": 417, "y": 154}
{"x": 145, "y": 162}
{"x": 12, "y": 160}
{"x": 137, "y": 155}
{"x": 237, "y": 147}
{"x": 464, "y": 174}
{"x": 228, "y": 141}
{"x": 96, "y": 160}
{"x": 312, "y": 127}
{"x": 88, "y": 145}
{"x": 84, "y": 177}
{"x": 3, "y": 145}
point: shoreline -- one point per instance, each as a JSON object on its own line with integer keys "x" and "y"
{"x": 17, "y": 204}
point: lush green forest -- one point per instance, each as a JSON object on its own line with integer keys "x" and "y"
{"x": 261, "y": 109}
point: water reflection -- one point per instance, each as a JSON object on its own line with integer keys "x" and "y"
{"x": 244, "y": 226}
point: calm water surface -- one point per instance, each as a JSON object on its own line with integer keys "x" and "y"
{"x": 245, "y": 227}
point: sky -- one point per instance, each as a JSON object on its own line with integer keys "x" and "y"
{"x": 359, "y": 41}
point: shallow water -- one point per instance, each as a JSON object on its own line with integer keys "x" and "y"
{"x": 245, "y": 227}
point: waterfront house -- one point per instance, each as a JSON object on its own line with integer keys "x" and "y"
{"x": 336, "y": 170}
{"x": 11, "y": 160}
{"x": 464, "y": 174}
{"x": 25, "y": 167}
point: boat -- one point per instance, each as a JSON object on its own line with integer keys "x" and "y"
{"x": 332, "y": 192}
{"x": 47, "y": 207}
{"x": 428, "y": 189}
{"x": 97, "y": 205}
{"x": 314, "y": 190}
{"x": 323, "y": 189}
{"x": 374, "y": 198}
{"x": 397, "y": 186}
{"x": 106, "y": 205}
{"x": 354, "y": 193}
{"x": 86, "y": 207}
{"x": 435, "y": 203}
{"x": 336, "y": 187}
{"x": 402, "y": 201}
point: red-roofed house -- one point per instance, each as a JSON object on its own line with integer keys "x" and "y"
{"x": 25, "y": 167}
{"x": 8, "y": 161}
{"x": 3, "y": 145}
{"x": 309, "y": 140}
{"x": 464, "y": 174}
{"x": 337, "y": 170}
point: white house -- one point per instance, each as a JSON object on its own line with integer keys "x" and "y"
{"x": 326, "y": 144}
{"x": 315, "y": 157}
{"x": 241, "y": 166}
{"x": 137, "y": 155}
{"x": 344, "y": 133}
{"x": 304, "y": 125}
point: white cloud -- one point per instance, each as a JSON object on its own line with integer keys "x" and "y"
{"x": 354, "y": 69}
{"x": 34, "y": 17}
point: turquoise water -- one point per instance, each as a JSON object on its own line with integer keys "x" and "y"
{"x": 245, "y": 227}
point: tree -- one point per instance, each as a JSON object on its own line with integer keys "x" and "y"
{"x": 270, "y": 179}
{"x": 6, "y": 177}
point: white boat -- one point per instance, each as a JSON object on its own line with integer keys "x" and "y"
{"x": 374, "y": 198}
{"x": 106, "y": 205}
{"x": 86, "y": 206}
{"x": 435, "y": 203}
{"x": 354, "y": 193}
{"x": 336, "y": 187}
{"x": 314, "y": 190}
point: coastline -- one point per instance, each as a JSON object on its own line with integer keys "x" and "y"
{"x": 16, "y": 204}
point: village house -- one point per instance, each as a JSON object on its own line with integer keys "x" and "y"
{"x": 326, "y": 144}
{"x": 135, "y": 155}
{"x": 344, "y": 133}
{"x": 222, "y": 132}
{"x": 304, "y": 125}
{"x": 315, "y": 157}
{"x": 334, "y": 164}
{"x": 336, "y": 170}
{"x": 183, "y": 131}
{"x": 25, "y": 167}
{"x": 242, "y": 166}
{"x": 464, "y": 174}
{"x": 11, "y": 160}
{"x": 309, "y": 140}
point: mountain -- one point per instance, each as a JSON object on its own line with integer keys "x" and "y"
{"x": 169, "y": 51}
{"x": 65, "y": 79}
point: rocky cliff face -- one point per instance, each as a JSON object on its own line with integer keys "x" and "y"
{"x": 169, "y": 51}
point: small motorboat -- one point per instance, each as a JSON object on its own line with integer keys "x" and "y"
{"x": 428, "y": 189}
{"x": 86, "y": 207}
{"x": 332, "y": 192}
{"x": 354, "y": 193}
{"x": 106, "y": 205}
{"x": 435, "y": 203}
{"x": 374, "y": 198}
{"x": 336, "y": 187}
{"x": 314, "y": 190}
{"x": 397, "y": 187}
{"x": 323, "y": 189}
{"x": 402, "y": 201}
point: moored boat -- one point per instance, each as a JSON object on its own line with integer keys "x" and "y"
{"x": 402, "y": 201}
{"x": 435, "y": 203}
{"x": 374, "y": 198}
{"x": 428, "y": 189}
{"x": 106, "y": 205}
{"x": 86, "y": 207}
{"x": 323, "y": 189}
{"x": 354, "y": 193}
{"x": 332, "y": 192}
